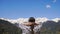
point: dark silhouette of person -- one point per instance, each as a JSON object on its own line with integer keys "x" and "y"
{"x": 31, "y": 23}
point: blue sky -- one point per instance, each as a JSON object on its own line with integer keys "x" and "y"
{"x": 27, "y": 8}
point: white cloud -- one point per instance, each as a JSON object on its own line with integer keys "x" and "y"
{"x": 54, "y": 1}
{"x": 48, "y": 6}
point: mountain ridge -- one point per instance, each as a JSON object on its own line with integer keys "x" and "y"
{"x": 22, "y": 20}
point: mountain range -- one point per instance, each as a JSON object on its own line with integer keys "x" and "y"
{"x": 46, "y": 26}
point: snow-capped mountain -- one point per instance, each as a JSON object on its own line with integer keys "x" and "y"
{"x": 22, "y": 20}
{"x": 45, "y": 24}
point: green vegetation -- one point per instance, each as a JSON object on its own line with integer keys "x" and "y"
{"x": 8, "y": 28}
{"x": 50, "y": 27}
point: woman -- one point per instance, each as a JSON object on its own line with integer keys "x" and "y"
{"x": 31, "y": 23}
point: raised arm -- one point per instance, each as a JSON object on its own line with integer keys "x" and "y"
{"x": 36, "y": 24}
{"x": 27, "y": 24}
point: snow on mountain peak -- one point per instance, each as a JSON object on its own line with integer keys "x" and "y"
{"x": 22, "y": 20}
{"x": 56, "y": 19}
